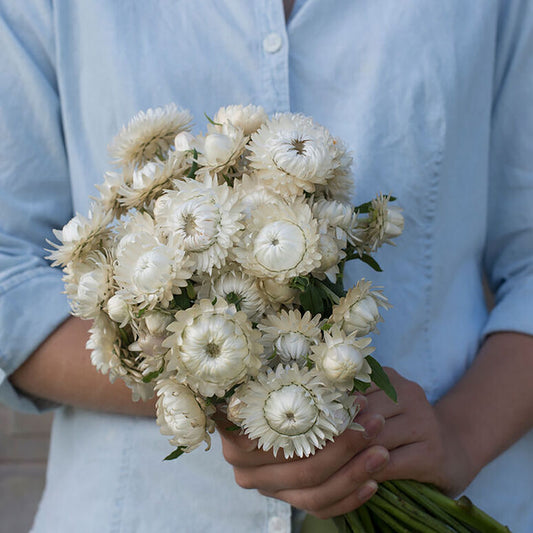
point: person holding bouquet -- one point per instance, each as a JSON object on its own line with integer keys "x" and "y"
{"x": 433, "y": 102}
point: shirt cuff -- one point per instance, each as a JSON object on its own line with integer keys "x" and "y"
{"x": 31, "y": 307}
{"x": 513, "y": 310}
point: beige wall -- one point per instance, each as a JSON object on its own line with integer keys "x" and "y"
{"x": 23, "y": 452}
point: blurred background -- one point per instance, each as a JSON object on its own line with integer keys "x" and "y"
{"x": 24, "y": 442}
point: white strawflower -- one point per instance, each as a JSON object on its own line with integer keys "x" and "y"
{"x": 248, "y": 118}
{"x": 184, "y": 142}
{"x": 236, "y": 288}
{"x": 181, "y": 415}
{"x": 382, "y": 224}
{"x": 213, "y": 347}
{"x": 113, "y": 181}
{"x": 80, "y": 236}
{"x": 148, "y": 135}
{"x": 202, "y": 219}
{"x": 331, "y": 253}
{"x": 253, "y": 194}
{"x": 358, "y": 311}
{"x": 104, "y": 343}
{"x": 118, "y": 310}
{"x": 292, "y": 154}
{"x": 290, "y": 409}
{"x": 341, "y": 358}
{"x": 289, "y": 335}
{"x": 336, "y": 215}
{"x": 280, "y": 242}
{"x": 345, "y": 417}
{"x": 110, "y": 355}
{"x": 88, "y": 284}
{"x": 340, "y": 186}
{"x": 151, "y": 179}
{"x": 234, "y": 407}
{"x": 157, "y": 321}
{"x": 150, "y": 334}
{"x": 148, "y": 271}
{"x": 219, "y": 151}
{"x": 277, "y": 293}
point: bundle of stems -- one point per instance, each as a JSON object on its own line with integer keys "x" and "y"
{"x": 404, "y": 506}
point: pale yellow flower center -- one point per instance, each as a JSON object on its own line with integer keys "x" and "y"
{"x": 290, "y": 410}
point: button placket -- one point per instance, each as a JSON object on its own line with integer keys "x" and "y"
{"x": 272, "y": 43}
{"x": 274, "y": 46}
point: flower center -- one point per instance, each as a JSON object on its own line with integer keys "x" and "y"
{"x": 291, "y": 410}
{"x": 197, "y": 224}
{"x": 212, "y": 349}
{"x": 280, "y": 246}
{"x": 298, "y": 145}
{"x": 152, "y": 271}
{"x": 190, "y": 226}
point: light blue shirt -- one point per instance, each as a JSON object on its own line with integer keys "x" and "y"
{"x": 435, "y": 101}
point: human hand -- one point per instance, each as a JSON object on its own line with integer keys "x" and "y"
{"x": 334, "y": 480}
{"x": 407, "y": 440}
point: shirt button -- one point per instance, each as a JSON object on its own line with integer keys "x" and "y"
{"x": 272, "y": 43}
{"x": 277, "y": 525}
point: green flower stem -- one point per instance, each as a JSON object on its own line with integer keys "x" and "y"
{"x": 388, "y": 519}
{"x": 462, "y": 509}
{"x": 334, "y": 298}
{"x": 428, "y": 504}
{"x": 381, "y": 525}
{"x": 366, "y": 520}
{"x": 379, "y": 502}
{"x": 341, "y": 524}
{"x": 415, "y": 512}
{"x": 354, "y": 522}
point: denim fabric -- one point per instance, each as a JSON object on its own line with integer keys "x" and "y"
{"x": 434, "y": 99}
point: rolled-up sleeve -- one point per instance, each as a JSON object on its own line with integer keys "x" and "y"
{"x": 34, "y": 188}
{"x": 509, "y": 248}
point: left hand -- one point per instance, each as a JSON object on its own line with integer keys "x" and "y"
{"x": 421, "y": 439}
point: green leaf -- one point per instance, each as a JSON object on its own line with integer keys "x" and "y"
{"x": 360, "y": 386}
{"x": 124, "y": 336}
{"x": 327, "y": 326}
{"x": 380, "y": 378}
{"x": 191, "y": 293}
{"x": 152, "y": 375}
{"x": 300, "y": 283}
{"x": 363, "y": 208}
{"x": 175, "y": 454}
{"x": 192, "y": 172}
{"x": 232, "y": 428}
{"x": 370, "y": 261}
{"x": 141, "y": 312}
{"x": 234, "y": 299}
{"x": 211, "y": 120}
{"x": 182, "y": 301}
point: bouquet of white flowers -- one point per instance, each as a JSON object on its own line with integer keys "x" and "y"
{"x": 212, "y": 269}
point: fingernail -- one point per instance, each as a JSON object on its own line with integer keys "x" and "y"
{"x": 373, "y": 427}
{"x": 367, "y": 490}
{"x": 377, "y": 460}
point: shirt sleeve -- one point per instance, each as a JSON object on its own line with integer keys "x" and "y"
{"x": 509, "y": 247}
{"x": 34, "y": 189}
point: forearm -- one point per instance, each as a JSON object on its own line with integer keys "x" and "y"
{"x": 61, "y": 370}
{"x": 492, "y": 405}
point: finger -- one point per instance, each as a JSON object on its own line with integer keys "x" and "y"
{"x": 412, "y": 461}
{"x": 302, "y": 473}
{"x": 347, "y": 487}
{"x": 379, "y": 402}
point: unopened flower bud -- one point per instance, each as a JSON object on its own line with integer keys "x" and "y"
{"x": 217, "y": 148}
{"x": 118, "y": 310}
{"x": 157, "y": 322}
